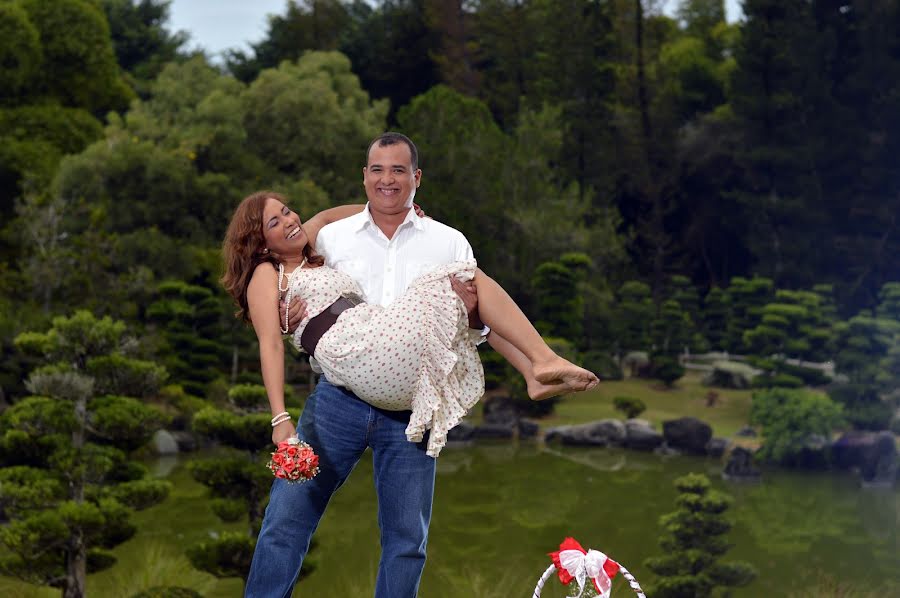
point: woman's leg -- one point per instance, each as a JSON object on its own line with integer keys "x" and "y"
{"x": 498, "y": 310}
{"x": 536, "y": 390}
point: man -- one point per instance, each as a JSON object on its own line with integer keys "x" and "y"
{"x": 384, "y": 248}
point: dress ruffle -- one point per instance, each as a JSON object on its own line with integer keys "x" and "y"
{"x": 451, "y": 378}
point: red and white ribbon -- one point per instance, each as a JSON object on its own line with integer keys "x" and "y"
{"x": 574, "y": 562}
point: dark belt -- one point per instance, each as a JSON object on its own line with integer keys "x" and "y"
{"x": 320, "y": 324}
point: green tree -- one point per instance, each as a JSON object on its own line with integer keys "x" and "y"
{"x": 716, "y": 306}
{"x": 694, "y": 542}
{"x": 142, "y": 43}
{"x": 76, "y": 32}
{"x": 20, "y": 50}
{"x": 635, "y": 314}
{"x": 792, "y": 326}
{"x": 747, "y": 298}
{"x": 789, "y": 418}
{"x": 328, "y": 146}
{"x": 305, "y": 25}
{"x": 455, "y": 134}
{"x": 630, "y": 406}
{"x": 238, "y": 480}
{"x": 69, "y": 487}
{"x": 190, "y": 318}
{"x": 671, "y": 329}
{"x": 560, "y": 305}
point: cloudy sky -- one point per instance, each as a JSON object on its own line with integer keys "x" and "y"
{"x": 216, "y": 25}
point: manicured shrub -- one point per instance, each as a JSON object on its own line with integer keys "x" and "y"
{"x": 790, "y": 418}
{"x": 630, "y": 406}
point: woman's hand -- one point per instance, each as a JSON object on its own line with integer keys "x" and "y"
{"x": 283, "y": 431}
{"x": 419, "y": 211}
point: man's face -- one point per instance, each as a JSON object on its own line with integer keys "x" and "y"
{"x": 389, "y": 178}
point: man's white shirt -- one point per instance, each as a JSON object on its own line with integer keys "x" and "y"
{"x": 383, "y": 267}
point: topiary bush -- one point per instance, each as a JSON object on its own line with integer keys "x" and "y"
{"x": 667, "y": 369}
{"x": 630, "y": 406}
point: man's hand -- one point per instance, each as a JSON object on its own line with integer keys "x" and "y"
{"x": 469, "y": 295}
{"x": 296, "y": 312}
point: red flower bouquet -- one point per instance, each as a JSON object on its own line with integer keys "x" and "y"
{"x": 294, "y": 461}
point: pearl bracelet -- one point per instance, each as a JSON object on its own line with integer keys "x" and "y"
{"x": 279, "y": 415}
{"x": 286, "y": 418}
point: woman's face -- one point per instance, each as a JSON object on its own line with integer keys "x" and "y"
{"x": 281, "y": 229}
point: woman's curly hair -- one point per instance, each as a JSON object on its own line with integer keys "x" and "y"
{"x": 244, "y": 248}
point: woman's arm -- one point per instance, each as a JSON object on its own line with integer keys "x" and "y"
{"x": 262, "y": 299}
{"x": 312, "y": 226}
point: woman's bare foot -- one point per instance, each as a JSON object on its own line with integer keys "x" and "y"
{"x": 559, "y": 370}
{"x": 539, "y": 391}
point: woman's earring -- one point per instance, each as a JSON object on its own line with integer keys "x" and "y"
{"x": 266, "y": 250}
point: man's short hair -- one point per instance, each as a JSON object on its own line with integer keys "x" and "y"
{"x": 391, "y": 138}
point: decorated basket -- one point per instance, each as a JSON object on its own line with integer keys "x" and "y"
{"x": 590, "y": 569}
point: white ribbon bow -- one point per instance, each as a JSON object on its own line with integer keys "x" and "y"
{"x": 582, "y": 566}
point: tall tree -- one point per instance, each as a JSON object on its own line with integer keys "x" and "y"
{"x": 305, "y": 25}
{"x": 76, "y": 32}
{"x": 141, "y": 40}
{"x": 694, "y": 541}
{"x": 69, "y": 485}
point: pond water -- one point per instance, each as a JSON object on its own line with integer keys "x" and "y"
{"x": 500, "y": 508}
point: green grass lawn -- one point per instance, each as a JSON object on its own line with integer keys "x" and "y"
{"x": 686, "y": 398}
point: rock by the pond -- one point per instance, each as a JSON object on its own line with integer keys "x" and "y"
{"x": 814, "y": 454}
{"x": 746, "y": 432}
{"x": 461, "y": 432}
{"x": 688, "y": 434}
{"x": 492, "y": 431}
{"x": 501, "y": 410}
{"x": 716, "y": 447}
{"x": 605, "y": 432}
{"x": 873, "y": 453}
{"x": 740, "y": 465}
{"x": 528, "y": 428}
{"x": 639, "y": 435}
{"x": 164, "y": 443}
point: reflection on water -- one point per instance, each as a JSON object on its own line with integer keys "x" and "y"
{"x": 500, "y": 508}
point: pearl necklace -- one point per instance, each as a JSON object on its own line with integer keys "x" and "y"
{"x": 289, "y": 290}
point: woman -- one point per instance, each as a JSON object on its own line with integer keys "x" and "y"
{"x": 415, "y": 354}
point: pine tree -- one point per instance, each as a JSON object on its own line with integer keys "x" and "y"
{"x": 68, "y": 486}
{"x": 694, "y": 540}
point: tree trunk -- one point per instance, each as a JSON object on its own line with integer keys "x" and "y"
{"x": 76, "y": 568}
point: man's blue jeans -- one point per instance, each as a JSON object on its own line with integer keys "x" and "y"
{"x": 339, "y": 427}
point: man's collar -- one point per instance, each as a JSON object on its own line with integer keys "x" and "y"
{"x": 367, "y": 220}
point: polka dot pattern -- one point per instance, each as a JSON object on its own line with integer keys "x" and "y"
{"x": 416, "y": 353}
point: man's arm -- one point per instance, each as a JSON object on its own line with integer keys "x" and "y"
{"x": 312, "y": 226}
